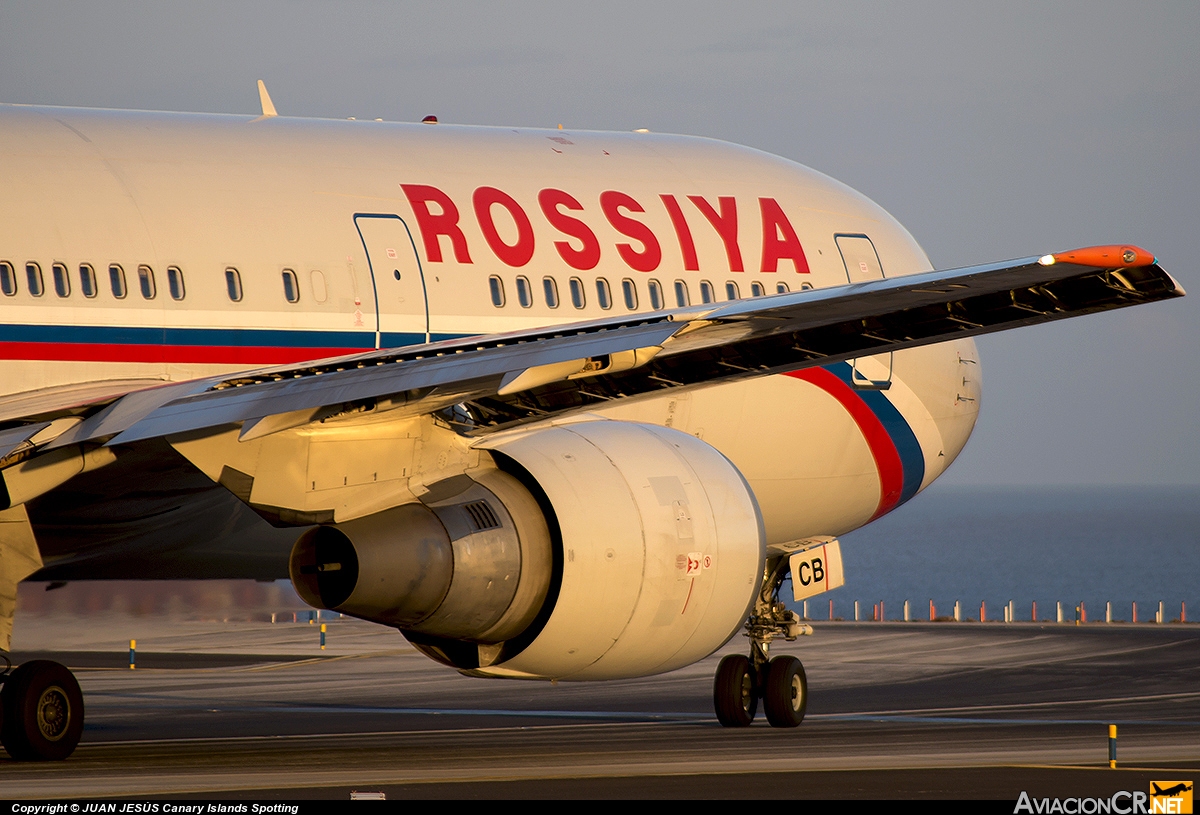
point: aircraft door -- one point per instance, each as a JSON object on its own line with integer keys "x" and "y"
{"x": 863, "y": 264}
{"x": 859, "y": 256}
{"x": 401, "y": 307}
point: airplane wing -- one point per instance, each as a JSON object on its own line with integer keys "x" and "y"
{"x": 507, "y": 379}
{"x": 157, "y": 482}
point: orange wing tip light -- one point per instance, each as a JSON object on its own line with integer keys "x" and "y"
{"x": 1116, "y": 256}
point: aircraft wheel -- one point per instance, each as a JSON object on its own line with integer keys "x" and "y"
{"x": 734, "y": 694}
{"x": 785, "y": 692}
{"x": 43, "y": 712}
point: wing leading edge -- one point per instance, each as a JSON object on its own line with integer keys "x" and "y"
{"x": 503, "y": 380}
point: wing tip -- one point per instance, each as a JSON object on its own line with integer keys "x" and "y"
{"x": 1112, "y": 256}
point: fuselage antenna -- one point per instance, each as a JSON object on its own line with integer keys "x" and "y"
{"x": 268, "y": 107}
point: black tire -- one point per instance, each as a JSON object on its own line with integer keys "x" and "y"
{"x": 43, "y": 712}
{"x": 734, "y": 693}
{"x": 785, "y": 692}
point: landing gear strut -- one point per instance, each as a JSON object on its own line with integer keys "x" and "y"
{"x": 780, "y": 682}
{"x": 42, "y": 710}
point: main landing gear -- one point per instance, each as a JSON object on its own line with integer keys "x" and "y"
{"x": 779, "y": 683}
{"x": 42, "y": 710}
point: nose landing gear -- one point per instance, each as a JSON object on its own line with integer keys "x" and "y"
{"x": 780, "y": 683}
{"x": 42, "y": 709}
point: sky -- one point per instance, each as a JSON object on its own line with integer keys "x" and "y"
{"x": 990, "y": 131}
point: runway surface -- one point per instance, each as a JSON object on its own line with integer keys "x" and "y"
{"x": 256, "y": 710}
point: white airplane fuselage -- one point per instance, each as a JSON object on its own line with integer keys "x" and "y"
{"x": 138, "y": 248}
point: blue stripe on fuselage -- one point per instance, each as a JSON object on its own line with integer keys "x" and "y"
{"x": 912, "y": 457}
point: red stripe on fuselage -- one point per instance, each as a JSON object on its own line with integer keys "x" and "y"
{"x": 883, "y": 449}
{"x": 194, "y": 354}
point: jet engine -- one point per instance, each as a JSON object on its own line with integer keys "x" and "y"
{"x": 592, "y": 550}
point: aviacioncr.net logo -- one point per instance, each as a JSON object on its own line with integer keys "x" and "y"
{"x": 1171, "y": 797}
{"x": 1165, "y": 798}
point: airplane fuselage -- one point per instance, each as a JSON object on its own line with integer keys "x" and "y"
{"x": 139, "y": 248}
{"x": 553, "y": 404}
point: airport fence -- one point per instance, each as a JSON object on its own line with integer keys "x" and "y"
{"x": 819, "y": 610}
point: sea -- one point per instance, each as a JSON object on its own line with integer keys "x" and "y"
{"x": 989, "y": 546}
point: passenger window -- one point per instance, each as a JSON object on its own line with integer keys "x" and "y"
{"x": 781, "y": 288}
{"x": 629, "y": 289}
{"x": 681, "y": 294}
{"x": 33, "y": 277}
{"x": 87, "y": 280}
{"x": 706, "y": 292}
{"x": 550, "y": 290}
{"x": 656, "y": 294}
{"x": 233, "y": 284}
{"x": 116, "y": 279}
{"x": 497, "y": 287}
{"x": 291, "y": 286}
{"x": 577, "y": 298}
{"x": 731, "y": 291}
{"x": 8, "y": 280}
{"x": 757, "y": 290}
{"x": 603, "y": 294}
{"x": 175, "y": 282}
{"x": 524, "y": 292}
{"x": 62, "y": 281}
{"x": 146, "y": 282}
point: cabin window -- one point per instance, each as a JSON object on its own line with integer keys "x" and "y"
{"x": 62, "y": 280}
{"x": 33, "y": 277}
{"x": 146, "y": 282}
{"x": 87, "y": 280}
{"x": 233, "y": 284}
{"x": 681, "y": 294}
{"x": 496, "y": 285}
{"x": 550, "y": 290}
{"x": 731, "y": 291}
{"x": 577, "y": 297}
{"x": 757, "y": 290}
{"x": 524, "y": 292}
{"x": 629, "y": 289}
{"x": 707, "y": 295}
{"x": 291, "y": 286}
{"x": 603, "y": 294}
{"x": 8, "y": 280}
{"x": 781, "y": 288}
{"x": 116, "y": 279}
{"x": 656, "y": 294}
{"x": 175, "y": 282}
{"x": 805, "y": 286}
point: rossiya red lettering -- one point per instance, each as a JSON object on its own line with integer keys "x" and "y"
{"x": 686, "y": 245}
{"x": 725, "y": 222}
{"x": 437, "y": 217}
{"x": 517, "y": 254}
{"x": 587, "y": 256}
{"x": 647, "y": 260}
{"x": 434, "y": 224}
{"x": 779, "y": 239}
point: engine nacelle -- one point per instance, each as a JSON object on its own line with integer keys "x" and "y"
{"x": 662, "y": 549}
{"x": 596, "y": 550}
